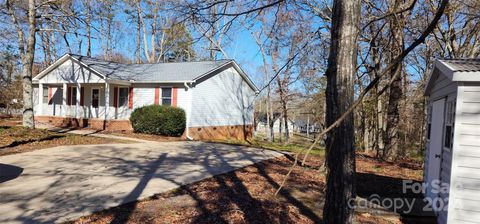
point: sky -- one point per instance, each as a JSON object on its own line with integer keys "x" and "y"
{"x": 241, "y": 47}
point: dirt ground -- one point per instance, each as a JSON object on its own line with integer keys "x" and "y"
{"x": 248, "y": 196}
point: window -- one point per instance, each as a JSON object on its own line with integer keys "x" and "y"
{"x": 45, "y": 95}
{"x": 166, "y": 96}
{"x": 95, "y": 97}
{"x": 123, "y": 97}
{"x": 74, "y": 96}
{"x": 449, "y": 124}
{"x": 429, "y": 122}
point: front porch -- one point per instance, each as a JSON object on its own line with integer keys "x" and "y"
{"x": 93, "y": 123}
{"x": 84, "y": 105}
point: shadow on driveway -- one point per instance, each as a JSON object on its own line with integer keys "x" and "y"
{"x": 65, "y": 183}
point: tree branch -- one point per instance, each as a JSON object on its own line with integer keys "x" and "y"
{"x": 357, "y": 102}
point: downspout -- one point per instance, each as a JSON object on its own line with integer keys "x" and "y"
{"x": 188, "y": 111}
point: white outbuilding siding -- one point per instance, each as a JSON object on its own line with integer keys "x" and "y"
{"x": 457, "y": 84}
{"x": 445, "y": 89}
{"x": 221, "y": 100}
{"x": 465, "y": 203}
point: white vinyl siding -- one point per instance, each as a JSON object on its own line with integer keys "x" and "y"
{"x": 443, "y": 88}
{"x": 143, "y": 95}
{"x": 35, "y": 95}
{"x": 464, "y": 203}
{"x": 221, "y": 100}
{"x": 71, "y": 72}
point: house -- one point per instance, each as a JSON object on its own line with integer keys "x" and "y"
{"x": 306, "y": 125}
{"x": 452, "y": 159}
{"x": 278, "y": 124}
{"x": 80, "y": 91}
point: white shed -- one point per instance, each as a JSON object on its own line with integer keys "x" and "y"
{"x": 452, "y": 155}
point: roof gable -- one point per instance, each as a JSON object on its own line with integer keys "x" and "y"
{"x": 67, "y": 69}
{"x": 456, "y": 70}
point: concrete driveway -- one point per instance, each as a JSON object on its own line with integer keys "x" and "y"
{"x": 64, "y": 183}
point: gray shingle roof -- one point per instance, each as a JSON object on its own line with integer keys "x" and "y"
{"x": 159, "y": 72}
{"x": 463, "y": 65}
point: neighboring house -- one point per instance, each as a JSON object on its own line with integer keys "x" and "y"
{"x": 303, "y": 125}
{"x": 278, "y": 124}
{"x": 217, "y": 96}
{"x": 453, "y": 140}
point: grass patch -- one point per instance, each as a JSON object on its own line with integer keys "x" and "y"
{"x": 17, "y": 139}
{"x": 296, "y": 144}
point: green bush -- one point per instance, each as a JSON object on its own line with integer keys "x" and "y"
{"x": 159, "y": 120}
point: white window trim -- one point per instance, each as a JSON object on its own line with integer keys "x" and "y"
{"x": 118, "y": 97}
{"x": 450, "y": 123}
{"x": 161, "y": 97}
{"x": 73, "y": 88}
{"x": 43, "y": 94}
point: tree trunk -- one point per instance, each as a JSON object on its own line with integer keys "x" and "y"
{"x": 371, "y": 138}
{"x": 272, "y": 119}
{"x": 213, "y": 31}
{"x": 340, "y": 141}
{"x": 88, "y": 28}
{"x": 283, "y": 102}
{"x": 280, "y": 126}
{"x": 393, "y": 109}
{"x": 28, "y": 55}
{"x": 139, "y": 34}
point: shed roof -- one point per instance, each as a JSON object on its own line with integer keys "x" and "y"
{"x": 456, "y": 70}
{"x": 464, "y": 65}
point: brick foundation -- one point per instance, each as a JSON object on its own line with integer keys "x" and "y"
{"x": 99, "y": 124}
{"x": 238, "y": 132}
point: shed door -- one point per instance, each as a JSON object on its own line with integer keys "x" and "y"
{"x": 435, "y": 145}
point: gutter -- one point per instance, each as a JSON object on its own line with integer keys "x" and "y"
{"x": 189, "y": 106}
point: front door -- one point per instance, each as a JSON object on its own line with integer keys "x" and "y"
{"x": 435, "y": 145}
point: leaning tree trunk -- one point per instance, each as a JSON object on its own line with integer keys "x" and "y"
{"x": 340, "y": 91}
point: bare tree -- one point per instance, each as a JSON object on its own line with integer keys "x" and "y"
{"x": 392, "y": 139}
{"x": 26, "y": 47}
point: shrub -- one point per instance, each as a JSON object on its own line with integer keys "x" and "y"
{"x": 159, "y": 120}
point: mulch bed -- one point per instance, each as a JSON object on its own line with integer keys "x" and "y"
{"x": 247, "y": 196}
{"x": 16, "y": 139}
{"x": 149, "y": 137}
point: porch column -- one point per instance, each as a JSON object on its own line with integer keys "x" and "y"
{"x": 107, "y": 100}
{"x": 64, "y": 96}
{"x": 40, "y": 99}
{"x": 77, "y": 105}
